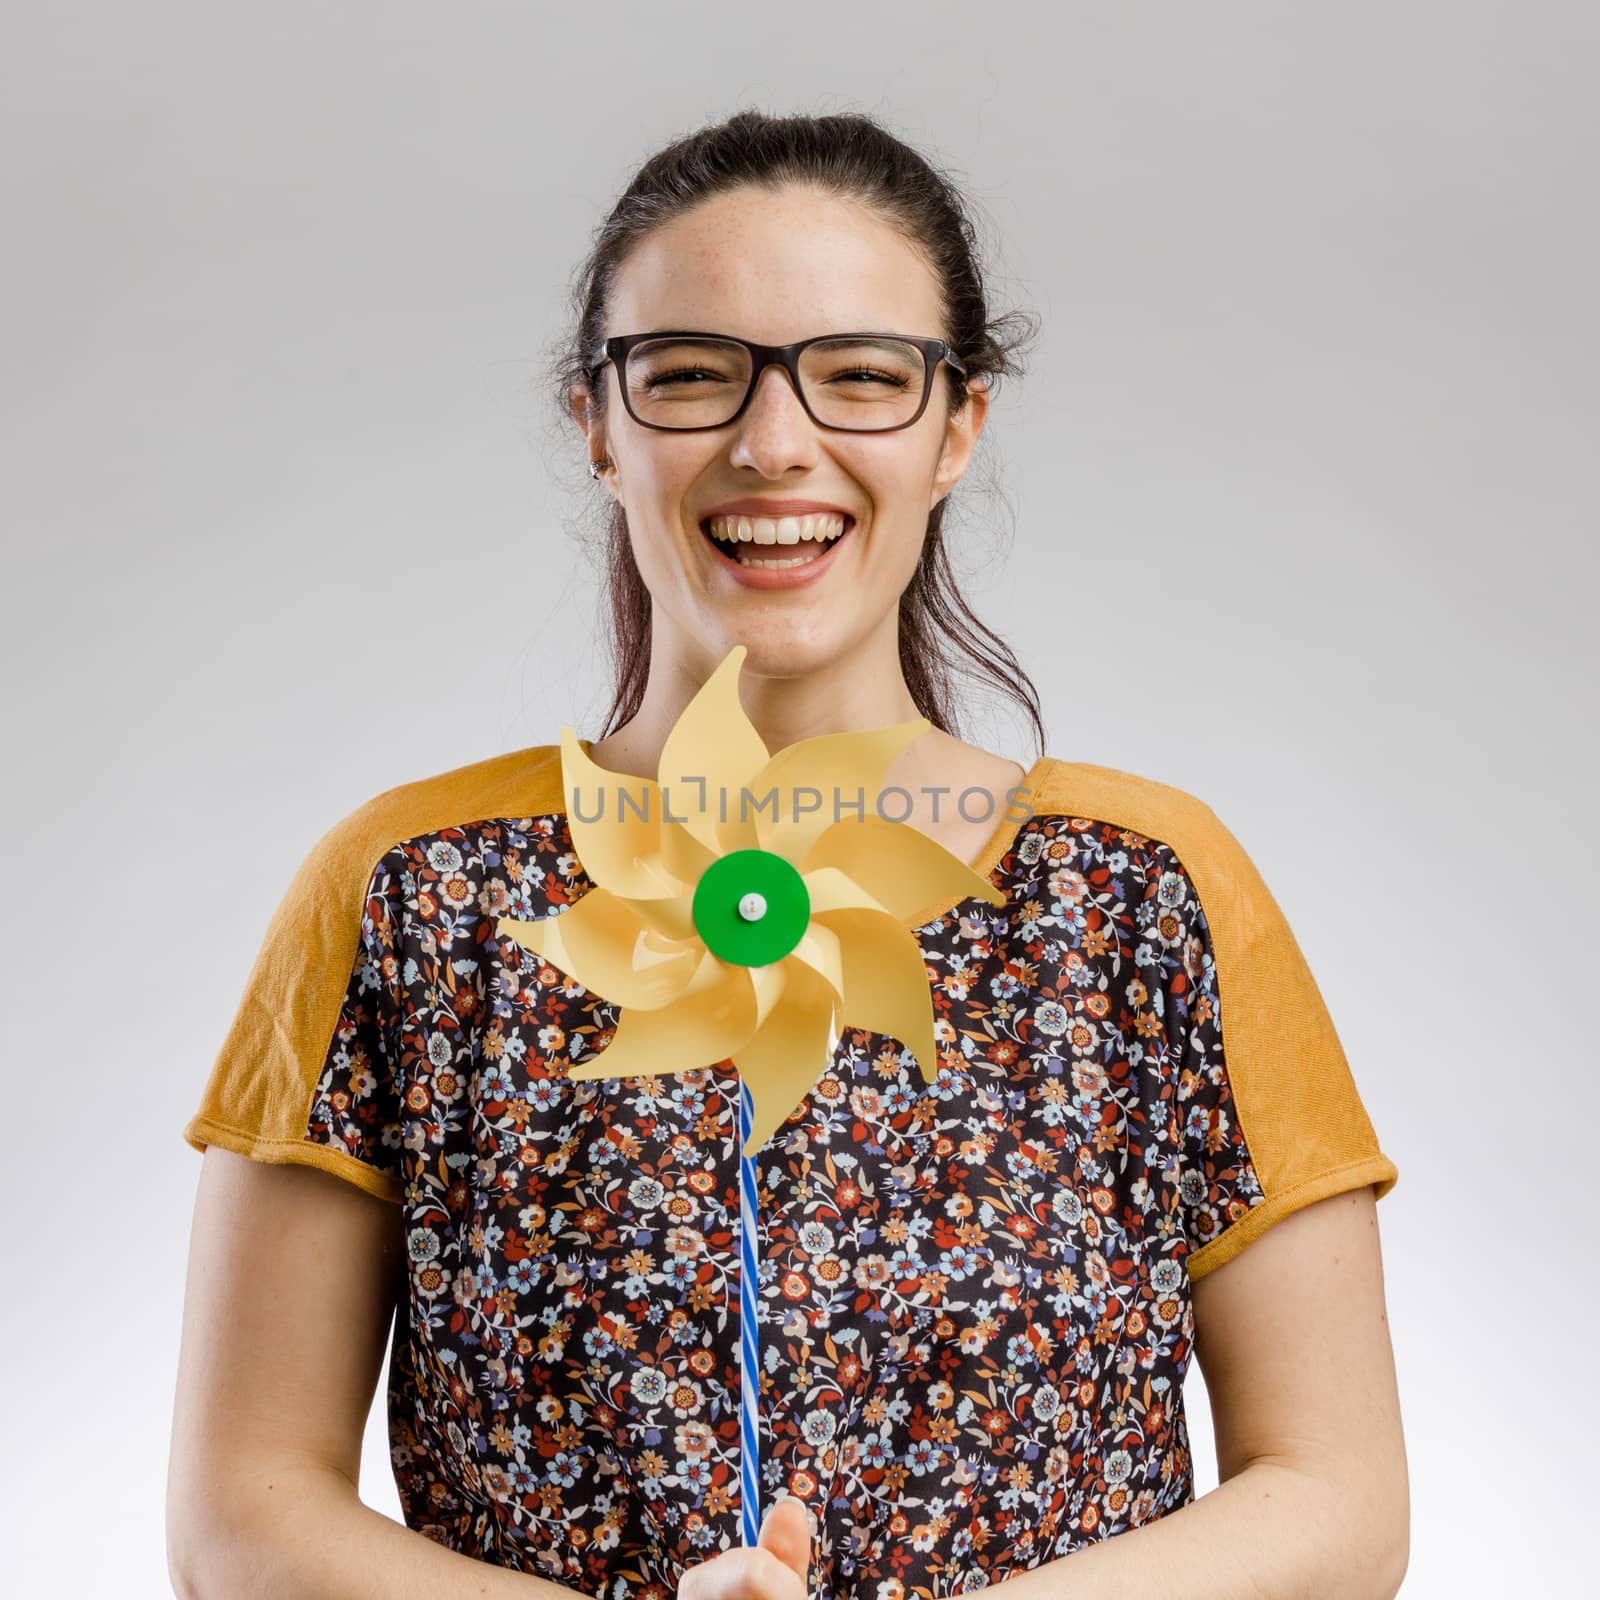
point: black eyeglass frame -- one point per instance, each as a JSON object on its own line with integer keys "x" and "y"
{"x": 763, "y": 356}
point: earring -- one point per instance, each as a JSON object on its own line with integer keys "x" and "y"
{"x": 596, "y": 467}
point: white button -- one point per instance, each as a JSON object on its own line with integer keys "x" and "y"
{"x": 753, "y": 907}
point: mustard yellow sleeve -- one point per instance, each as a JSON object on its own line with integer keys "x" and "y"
{"x": 309, "y": 1070}
{"x": 1270, "y": 1117}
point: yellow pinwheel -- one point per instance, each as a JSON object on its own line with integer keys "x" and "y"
{"x": 735, "y": 915}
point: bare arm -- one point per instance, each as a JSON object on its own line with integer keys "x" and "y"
{"x": 1313, "y": 1499}
{"x": 291, "y": 1293}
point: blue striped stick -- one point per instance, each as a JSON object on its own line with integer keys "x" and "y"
{"x": 749, "y": 1340}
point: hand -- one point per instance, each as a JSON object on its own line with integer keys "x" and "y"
{"x": 774, "y": 1570}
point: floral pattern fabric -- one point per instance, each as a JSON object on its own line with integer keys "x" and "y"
{"x": 976, "y": 1315}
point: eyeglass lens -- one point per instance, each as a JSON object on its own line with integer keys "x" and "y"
{"x": 700, "y": 383}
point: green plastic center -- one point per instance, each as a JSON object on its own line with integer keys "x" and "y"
{"x": 751, "y": 907}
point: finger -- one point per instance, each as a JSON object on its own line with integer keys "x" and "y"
{"x": 786, "y": 1532}
{"x": 742, "y": 1575}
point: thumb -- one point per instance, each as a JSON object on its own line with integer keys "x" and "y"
{"x": 786, "y": 1533}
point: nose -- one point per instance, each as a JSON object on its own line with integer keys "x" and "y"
{"x": 774, "y": 434}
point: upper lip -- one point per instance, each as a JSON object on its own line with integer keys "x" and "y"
{"x": 774, "y": 508}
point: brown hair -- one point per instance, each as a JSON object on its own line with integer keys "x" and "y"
{"x": 849, "y": 155}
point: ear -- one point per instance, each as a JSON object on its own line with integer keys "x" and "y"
{"x": 581, "y": 404}
{"x": 580, "y": 401}
{"x": 960, "y": 439}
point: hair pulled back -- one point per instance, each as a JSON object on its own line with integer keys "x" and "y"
{"x": 852, "y": 156}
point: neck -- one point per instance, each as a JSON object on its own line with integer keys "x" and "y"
{"x": 865, "y": 689}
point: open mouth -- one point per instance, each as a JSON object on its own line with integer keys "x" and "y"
{"x": 816, "y": 541}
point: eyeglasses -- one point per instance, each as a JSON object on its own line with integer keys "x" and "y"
{"x": 853, "y": 382}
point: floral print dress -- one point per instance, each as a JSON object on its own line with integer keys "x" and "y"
{"x": 976, "y": 1311}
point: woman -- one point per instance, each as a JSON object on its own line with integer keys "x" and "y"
{"x": 979, "y": 1299}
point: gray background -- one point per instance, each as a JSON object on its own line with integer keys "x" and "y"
{"x": 1295, "y": 510}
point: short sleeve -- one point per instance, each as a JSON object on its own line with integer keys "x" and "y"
{"x": 309, "y": 1070}
{"x": 1269, "y": 1115}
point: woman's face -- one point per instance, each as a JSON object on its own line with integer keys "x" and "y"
{"x": 773, "y": 268}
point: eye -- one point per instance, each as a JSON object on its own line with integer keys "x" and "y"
{"x": 894, "y": 379}
{"x": 656, "y": 378}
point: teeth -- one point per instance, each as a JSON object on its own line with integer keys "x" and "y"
{"x": 819, "y": 528}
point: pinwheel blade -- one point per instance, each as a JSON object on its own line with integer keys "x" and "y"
{"x": 832, "y": 771}
{"x": 714, "y": 1016}
{"x": 770, "y": 983}
{"x": 671, "y": 915}
{"x": 711, "y": 752}
{"x": 829, "y": 889}
{"x": 601, "y": 941}
{"x": 900, "y": 867}
{"x": 788, "y": 1053}
{"x": 820, "y": 950}
{"x": 614, "y": 819}
{"x": 886, "y": 981}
